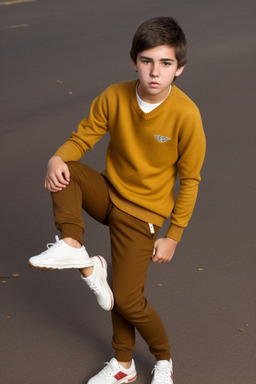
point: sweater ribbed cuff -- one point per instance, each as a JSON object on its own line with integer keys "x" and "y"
{"x": 175, "y": 232}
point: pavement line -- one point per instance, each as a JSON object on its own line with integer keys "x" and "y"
{"x": 15, "y": 2}
{"x": 14, "y": 26}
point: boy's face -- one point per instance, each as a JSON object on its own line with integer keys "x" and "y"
{"x": 156, "y": 68}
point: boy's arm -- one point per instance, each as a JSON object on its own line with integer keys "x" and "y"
{"x": 191, "y": 149}
{"x": 90, "y": 131}
{"x": 191, "y": 156}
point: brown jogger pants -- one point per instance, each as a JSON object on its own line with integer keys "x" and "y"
{"x": 131, "y": 248}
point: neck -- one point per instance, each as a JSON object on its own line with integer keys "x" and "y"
{"x": 152, "y": 99}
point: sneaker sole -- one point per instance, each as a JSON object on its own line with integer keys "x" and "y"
{"x": 54, "y": 267}
{"x": 121, "y": 381}
{"x": 105, "y": 282}
{"x": 127, "y": 380}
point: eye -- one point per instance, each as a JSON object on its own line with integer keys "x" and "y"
{"x": 166, "y": 63}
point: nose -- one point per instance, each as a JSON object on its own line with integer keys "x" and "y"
{"x": 154, "y": 70}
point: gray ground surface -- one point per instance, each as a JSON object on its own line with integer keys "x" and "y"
{"x": 56, "y": 56}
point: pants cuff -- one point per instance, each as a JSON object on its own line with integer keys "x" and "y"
{"x": 71, "y": 230}
{"x": 166, "y": 356}
{"x": 123, "y": 356}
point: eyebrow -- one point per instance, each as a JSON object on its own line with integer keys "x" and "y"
{"x": 149, "y": 58}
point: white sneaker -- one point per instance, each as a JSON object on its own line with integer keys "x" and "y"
{"x": 97, "y": 282}
{"x": 114, "y": 373}
{"x": 60, "y": 255}
{"x": 163, "y": 372}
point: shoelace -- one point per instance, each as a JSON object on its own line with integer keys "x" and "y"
{"x": 108, "y": 370}
{"x": 51, "y": 245}
{"x": 162, "y": 374}
{"x": 93, "y": 287}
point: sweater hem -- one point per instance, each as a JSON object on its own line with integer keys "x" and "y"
{"x": 134, "y": 209}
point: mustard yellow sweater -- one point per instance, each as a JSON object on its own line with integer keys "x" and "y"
{"x": 145, "y": 152}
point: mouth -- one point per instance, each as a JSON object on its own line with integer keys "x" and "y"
{"x": 154, "y": 84}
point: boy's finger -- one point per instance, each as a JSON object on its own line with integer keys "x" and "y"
{"x": 61, "y": 178}
{"x": 55, "y": 185}
{"x": 67, "y": 174}
{"x": 49, "y": 188}
{"x": 155, "y": 259}
{"x": 58, "y": 182}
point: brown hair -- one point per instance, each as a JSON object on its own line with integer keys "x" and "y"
{"x": 160, "y": 31}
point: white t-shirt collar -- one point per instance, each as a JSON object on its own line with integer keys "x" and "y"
{"x": 148, "y": 107}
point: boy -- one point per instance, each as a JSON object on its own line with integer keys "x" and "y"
{"x": 155, "y": 131}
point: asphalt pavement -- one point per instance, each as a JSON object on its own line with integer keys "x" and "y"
{"x": 56, "y": 56}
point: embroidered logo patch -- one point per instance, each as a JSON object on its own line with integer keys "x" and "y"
{"x": 162, "y": 139}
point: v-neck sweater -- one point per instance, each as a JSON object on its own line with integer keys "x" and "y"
{"x": 145, "y": 153}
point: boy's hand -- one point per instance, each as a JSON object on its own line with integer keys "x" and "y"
{"x": 57, "y": 175}
{"x": 164, "y": 250}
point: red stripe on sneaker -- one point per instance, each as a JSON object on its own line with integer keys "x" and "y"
{"x": 120, "y": 375}
{"x": 134, "y": 378}
{"x": 101, "y": 261}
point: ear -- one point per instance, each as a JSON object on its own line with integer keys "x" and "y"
{"x": 179, "y": 71}
{"x": 134, "y": 65}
